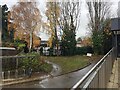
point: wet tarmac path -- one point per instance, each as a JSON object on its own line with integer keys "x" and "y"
{"x": 63, "y": 81}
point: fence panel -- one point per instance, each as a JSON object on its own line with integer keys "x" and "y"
{"x": 102, "y": 76}
{"x": 99, "y": 75}
{"x": 11, "y": 65}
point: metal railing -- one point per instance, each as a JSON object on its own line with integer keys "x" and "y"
{"x": 11, "y": 66}
{"x": 99, "y": 75}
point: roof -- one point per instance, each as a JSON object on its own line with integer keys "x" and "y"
{"x": 44, "y": 42}
{"x": 115, "y": 24}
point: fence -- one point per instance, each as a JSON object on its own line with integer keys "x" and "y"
{"x": 11, "y": 66}
{"x": 99, "y": 75}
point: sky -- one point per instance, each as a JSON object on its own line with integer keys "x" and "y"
{"x": 82, "y": 31}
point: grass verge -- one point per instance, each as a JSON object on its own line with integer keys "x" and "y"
{"x": 71, "y": 63}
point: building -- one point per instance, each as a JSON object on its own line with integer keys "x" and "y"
{"x": 78, "y": 44}
{"x": 115, "y": 28}
{"x": 22, "y": 35}
{"x": 44, "y": 43}
{"x": 0, "y": 27}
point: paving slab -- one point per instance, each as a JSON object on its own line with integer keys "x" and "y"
{"x": 113, "y": 82}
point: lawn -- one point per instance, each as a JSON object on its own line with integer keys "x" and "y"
{"x": 71, "y": 63}
{"x": 67, "y": 63}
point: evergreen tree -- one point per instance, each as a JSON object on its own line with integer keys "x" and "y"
{"x": 99, "y": 11}
{"x": 5, "y": 34}
{"x": 11, "y": 35}
{"x": 69, "y": 23}
{"x": 68, "y": 39}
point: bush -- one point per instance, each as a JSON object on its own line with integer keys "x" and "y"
{"x": 26, "y": 49}
{"x": 84, "y": 50}
{"x": 7, "y": 44}
{"x": 97, "y": 39}
{"x": 36, "y": 64}
{"x": 30, "y": 63}
{"x": 19, "y": 44}
{"x": 89, "y": 49}
{"x": 46, "y": 67}
{"x": 81, "y": 50}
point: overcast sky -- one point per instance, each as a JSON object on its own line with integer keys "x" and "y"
{"x": 83, "y": 31}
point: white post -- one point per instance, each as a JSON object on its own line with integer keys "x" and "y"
{"x": 31, "y": 40}
{"x": 2, "y": 75}
{"x": 16, "y": 73}
{"x": 23, "y": 72}
{"x": 8, "y": 74}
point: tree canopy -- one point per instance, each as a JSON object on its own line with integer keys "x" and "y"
{"x": 69, "y": 23}
{"x": 5, "y": 34}
{"x": 27, "y": 18}
{"x": 99, "y": 14}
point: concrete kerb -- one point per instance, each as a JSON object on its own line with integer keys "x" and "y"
{"x": 23, "y": 80}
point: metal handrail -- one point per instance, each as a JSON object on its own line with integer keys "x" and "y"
{"x": 91, "y": 70}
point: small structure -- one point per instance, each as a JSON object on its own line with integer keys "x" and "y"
{"x": 44, "y": 43}
{"x": 89, "y": 54}
{"x": 115, "y": 28}
{"x": 8, "y": 51}
{"x": 78, "y": 44}
{"x": 44, "y": 47}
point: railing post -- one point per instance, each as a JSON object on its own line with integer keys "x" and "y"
{"x": 16, "y": 73}
{"x": 2, "y": 75}
{"x": 16, "y": 63}
{"x": 23, "y": 72}
{"x": 8, "y": 74}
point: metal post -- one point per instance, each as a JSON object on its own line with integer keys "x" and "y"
{"x": 16, "y": 63}
{"x": 16, "y": 71}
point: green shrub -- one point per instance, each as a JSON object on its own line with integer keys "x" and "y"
{"x": 46, "y": 67}
{"x": 84, "y": 50}
{"x": 7, "y": 44}
{"x": 19, "y": 44}
{"x": 30, "y": 63}
{"x": 81, "y": 50}
{"x": 35, "y": 64}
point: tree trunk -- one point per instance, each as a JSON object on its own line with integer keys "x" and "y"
{"x": 56, "y": 31}
{"x": 31, "y": 41}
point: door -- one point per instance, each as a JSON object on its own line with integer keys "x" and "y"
{"x": 118, "y": 45}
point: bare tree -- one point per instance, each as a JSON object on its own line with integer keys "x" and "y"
{"x": 69, "y": 22}
{"x": 70, "y": 11}
{"x": 60, "y": 13}
{"x": 99, "y": 11}
{"x": 118, "y": 11}
{"x": 27, "y": 18}
{"x": 52, "y": 14}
